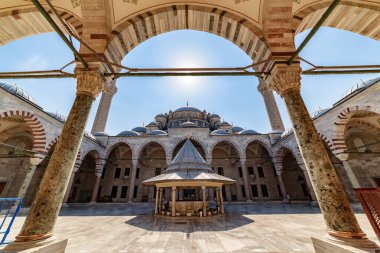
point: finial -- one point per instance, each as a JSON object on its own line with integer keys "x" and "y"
{"x": 187, "y": 103}
{"x": 143, "y": 123}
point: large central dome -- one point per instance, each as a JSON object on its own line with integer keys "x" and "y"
{"x": 187, "y": 109}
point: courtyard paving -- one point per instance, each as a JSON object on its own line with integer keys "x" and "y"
{"x": 253, "y": 227}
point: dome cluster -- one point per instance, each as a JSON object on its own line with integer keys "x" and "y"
{"x": 18, "y": 92}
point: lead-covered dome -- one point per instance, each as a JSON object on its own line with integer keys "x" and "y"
{"x": 158, "y": 132}
{"x": 57, "y": 116}
{"x": 318, "y": 113}
{"x": 12, "y": 88}
{"x": 100, "y": 134}
{"x": 219, "y": 132}
{"x": 188, "y": 124}
{"x": 248, "y": 132}
{"x": 187, "y": 109}
{"x": 128, "y": 133}
{"x": 237, "y": 129}
{"x": 140, "y": 129}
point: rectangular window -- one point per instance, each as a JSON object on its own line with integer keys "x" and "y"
{"x": 240, "y": 172}
{"x": 124, "y": 191}
{"x": 279, "y": 190}
{"x": 224, "y": 192}
{"x": 114, "y": 191}
{"x": 264, "y": 190}
{"x": 158, "y": 171}
{"x": 260, "y": 171}
{"x": 255, "y": 193}
{"x": 126, "y": 172}
{"x": 135, "y": 192}
{"x": 137, "y": 172}
{"x": 154, "y": 192}
{"x": 220, "y": 171}
{"x": 243, "y": 191}
{"x": 117, "y": 173}
{"x": 250, "y": 171}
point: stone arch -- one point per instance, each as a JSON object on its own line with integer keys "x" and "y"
{"x": 37, "y": 129}
{"x": 238, "y": 150}
{"x": 263, "y": 142}
{"x": 338, "y": 140}
{"x": 113, "y": 144}
{"x": 279, "y": 152}
{"x": 345, "y": 17}
{"x": 147, "y": 143}
{"x": 194, "y": 139}
{"x": 240, "y": 30}
{"x": 23, "y": 22}
{"x": 51, "y": 144}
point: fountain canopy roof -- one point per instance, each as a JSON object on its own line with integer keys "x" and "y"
{"x": 188, "y": 167}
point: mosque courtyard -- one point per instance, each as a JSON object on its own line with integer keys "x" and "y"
{"x": 252, "y": 227}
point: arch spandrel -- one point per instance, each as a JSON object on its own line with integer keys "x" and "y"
{"x": 136, "y": 29}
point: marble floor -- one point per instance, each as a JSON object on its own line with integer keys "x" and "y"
{"x": 253, "y": 227}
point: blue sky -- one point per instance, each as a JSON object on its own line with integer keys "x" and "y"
{"x": 235, "y": 99}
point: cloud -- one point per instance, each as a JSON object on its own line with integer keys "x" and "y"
{"x": 36, "y": 62}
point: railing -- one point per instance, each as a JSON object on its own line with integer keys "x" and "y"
{"x": 9, "y": 208}
{"x": 369, "y": 199}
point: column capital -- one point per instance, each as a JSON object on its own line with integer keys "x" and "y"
{"x": 90, "y": 82}
{"x": 284, "y": 78}
{"x": 111, "y": 89}
{"x": 263, "y": 87}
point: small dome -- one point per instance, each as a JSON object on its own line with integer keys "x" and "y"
{"x": 18, "y": 92}
{"x": 161, "y": 115}
{"x": 187, "y": 109}
{"x": 237, "y": 129}
{"x": 152, "y": 124}
{"x": 158, "y": 132}
{"x": 360, "y": 86}
{"x": 219, "y": 132}
{"x": 140, "y": 129}
{"x": 99, "y": 134}
{"x": 188, "y": 124}
{"x": 287, "y": 132}
{"x": 248, "y": 132}
{"x": 128, "y": 133}
{"x": 318, "y": 113}
{"x": 224, "y": 123}
{"x": 57, "y": 116}
{"x": 214, "y": 115}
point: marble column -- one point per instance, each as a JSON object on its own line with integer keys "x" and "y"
{"x": 40, "y": 222}
{"x": 132, "y": 180}
{"x": 271, "y": 107}
{"x": 160, "y": 200}
{"x": 335, "y": 207}
{"x": 98, "y": 173}
{"x": 173, "y": 200}
{"x": 284, "y": 192}
{"x": 221, "y": 200}
{"x": 34, "y": 162}
{"x": 247, "y": 187}
{"x": 104, "y": 108}
{"x": 70, "y": 184}
{"x": 217, "y": 198}
{"x": 156, "y": 207}
{"x": 204, "y": 200}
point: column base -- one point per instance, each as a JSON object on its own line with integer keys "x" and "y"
{"x": 357, "y": 240}
{"x": 249, "y": 200}
{"x": 333, "y": 245}
{"x": 40, "y": 246}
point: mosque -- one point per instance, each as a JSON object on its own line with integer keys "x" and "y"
{"x": 265, "y": 166}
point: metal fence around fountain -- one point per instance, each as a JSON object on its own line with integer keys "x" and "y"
{"x": 369, "y": 199}
{"x": 9, "y": 207}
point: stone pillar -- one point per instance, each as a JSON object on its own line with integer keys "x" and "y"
{"x": 217, "y": 198}
{"x": 98, "y": 174}
{"x": 104, "y": 108}
{"x": 173, "y": 200}
{"x": 284, "y": 192}
{"x": 70, "y": 185}
{"x": 338, "y": 215}
{"x": 156, "y": 207}
{"x": 221, "y": 200}
{"x": 40, "y": 222}
{"x": 160, "y": 200}
{"x": 247, "y": 187}
{"x": 132, "y": 180}
{"x": 271, "y": 107}
{"x": 204, "y": 200}
{"x": 34, "y": 162}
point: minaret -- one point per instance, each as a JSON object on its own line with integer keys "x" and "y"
{"x": 104, "y": 109}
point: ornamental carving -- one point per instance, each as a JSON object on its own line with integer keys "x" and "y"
{"x": 90, "y": 83}
{"x": 285, "y": 78}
